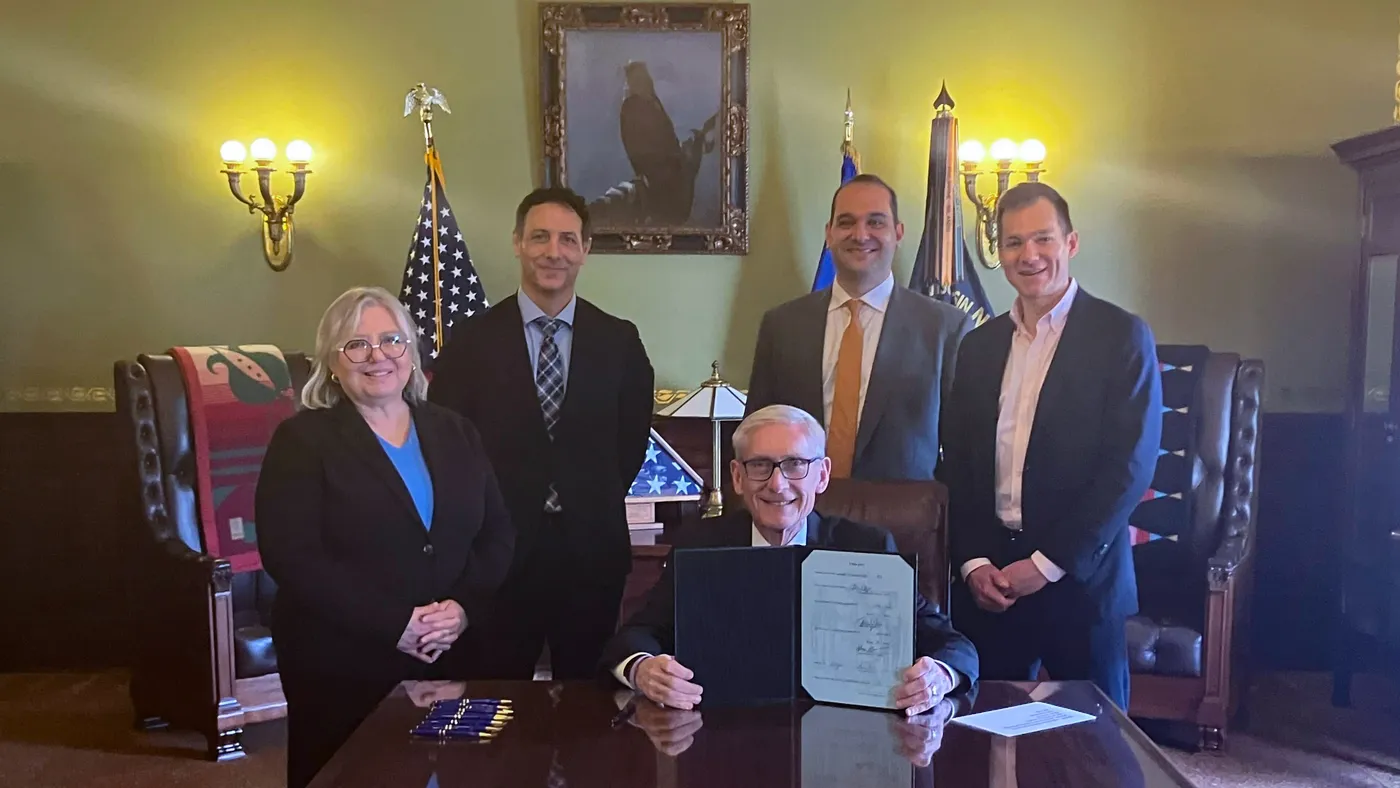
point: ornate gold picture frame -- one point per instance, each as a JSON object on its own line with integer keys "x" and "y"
{"x": 645, "y": 110}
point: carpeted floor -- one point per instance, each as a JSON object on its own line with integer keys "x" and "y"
{"x": 75, "y": 729}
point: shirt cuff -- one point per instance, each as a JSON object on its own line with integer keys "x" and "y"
{"x": 1047, "y": 567}
{"x": 621, "y": 671}
{"x": 954, "y": 677}
{"x": 971, "y": 565}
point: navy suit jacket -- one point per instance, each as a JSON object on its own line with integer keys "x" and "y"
{"x": 652, "y": 629}
{"x": 1092, "y": 453}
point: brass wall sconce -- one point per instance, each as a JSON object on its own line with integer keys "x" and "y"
{"x": 1005, "y": 154}
{"x": 276, "y": 209}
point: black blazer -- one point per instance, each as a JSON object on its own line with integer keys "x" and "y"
{"x": 339, "y": 533}
{"x": 600, "y": 439}
{"x": 652, "y": 629}
{"x": 1092, "y": 452}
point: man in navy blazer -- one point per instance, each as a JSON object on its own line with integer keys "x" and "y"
{"x": 1050, "y": 438}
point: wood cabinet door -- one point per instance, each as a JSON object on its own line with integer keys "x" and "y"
{"x": 1372, "y": 576}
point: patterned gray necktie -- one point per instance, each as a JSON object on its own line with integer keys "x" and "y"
{"x": 549, "y": 385}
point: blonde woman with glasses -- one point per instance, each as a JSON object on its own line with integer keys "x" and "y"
{"x": 381, "y": 521}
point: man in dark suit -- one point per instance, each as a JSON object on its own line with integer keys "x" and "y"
{"x": 1050, "y": 440}
{"x": 780, "y": 467}
{"x": 562, "y": 394}
{"x": 875, "y": 382}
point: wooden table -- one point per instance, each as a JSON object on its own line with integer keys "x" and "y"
{"x": 564, "y": 734}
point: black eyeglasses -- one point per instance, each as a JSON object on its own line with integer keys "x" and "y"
{"x": 794, "y": 468}
{"x": 359, "y": 351}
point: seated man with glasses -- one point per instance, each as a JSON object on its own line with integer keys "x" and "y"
{"x": 780, "y": 466}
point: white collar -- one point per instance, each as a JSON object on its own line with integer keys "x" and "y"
{"x": 799, "y": 538}
{"x": 1054, "y": 319}
{"x": 878, "y": 298}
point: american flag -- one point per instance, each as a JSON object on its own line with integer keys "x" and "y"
{"x": 665, "y": 474}
{"x": 440, "y": 285}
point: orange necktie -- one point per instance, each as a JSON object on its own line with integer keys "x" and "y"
{"x": 845, "y": 403}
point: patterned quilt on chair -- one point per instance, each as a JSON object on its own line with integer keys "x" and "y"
{"x": 238, "y": 394}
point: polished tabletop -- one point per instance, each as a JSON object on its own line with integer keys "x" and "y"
{"x": 571, "y": 734}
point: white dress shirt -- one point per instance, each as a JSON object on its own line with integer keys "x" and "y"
{"x": 1021, "y": 382}
{"x": 800, "y": 538}
{"x": 838, "y": 317}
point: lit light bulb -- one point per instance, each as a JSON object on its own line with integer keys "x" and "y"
{"x": 972, "y": 151}
{"x": 1002, "y": 150}
{"x": 1033, "y": 151}
{"x": 264, "y": 150}
{"x": 299, "y": 152}
{"x": 233, "y": 152}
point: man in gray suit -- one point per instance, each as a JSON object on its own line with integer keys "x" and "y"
{"x": 876, "y": 381}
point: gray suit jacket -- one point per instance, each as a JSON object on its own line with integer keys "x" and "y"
{"x": 911, "y": 377}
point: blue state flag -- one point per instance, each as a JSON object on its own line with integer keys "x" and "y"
{"x": 826, "y": 267}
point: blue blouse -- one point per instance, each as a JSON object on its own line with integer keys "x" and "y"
{"x": 413, "y": 469}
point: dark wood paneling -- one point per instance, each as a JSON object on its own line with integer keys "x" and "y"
{"x": 65, "y": 531}
{"x": 64, "y": 539}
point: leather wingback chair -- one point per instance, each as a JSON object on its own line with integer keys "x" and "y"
{"x": 1195, "y": 544}
{"x": 204, "y": 659}
{"x": 915, "y": 512}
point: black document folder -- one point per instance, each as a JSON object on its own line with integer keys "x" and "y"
{"x": 739, "y": 624}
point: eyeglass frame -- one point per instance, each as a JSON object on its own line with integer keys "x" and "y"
{"x": 806, "y": 467}
{"x": 373, "y": 346}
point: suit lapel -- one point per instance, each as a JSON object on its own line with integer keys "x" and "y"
{"x": 1062, "y": 366}
{"x": 818, "y": 530}
{"x": 518, "y": 380}
{"x": 996, "y": 363}
{"x": 894, "y": 345}
{"x": 364, "y": 444}
{"x": 987, "y": 393}
{"x": 435, "y": 455}
{"x": 586, "y": 352}
{"x": 811, "y": 333}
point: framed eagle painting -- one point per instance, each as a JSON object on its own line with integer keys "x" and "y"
{"x": 645, "y": 111}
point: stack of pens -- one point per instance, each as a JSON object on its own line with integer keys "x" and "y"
{"x": 474, "y": 719}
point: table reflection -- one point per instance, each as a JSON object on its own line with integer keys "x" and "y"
{"x": 561, "y": 737}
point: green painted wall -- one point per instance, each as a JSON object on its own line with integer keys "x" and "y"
{"x": 1191, "y": 138}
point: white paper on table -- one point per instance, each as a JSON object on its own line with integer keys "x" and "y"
{"x": 857, "y": 626}
{"x": 1026, "y": 718}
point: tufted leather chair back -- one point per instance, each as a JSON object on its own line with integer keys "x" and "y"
{"x": 1224, "y": 476}
{"x": 915, "y": 512}
{"x": 1209, "y": 440}
{"x": 155, "y": 419}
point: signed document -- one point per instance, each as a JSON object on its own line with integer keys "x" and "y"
{"x": 857, "y": 623}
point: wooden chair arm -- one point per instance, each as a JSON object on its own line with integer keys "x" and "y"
{"x": 1227, "y": 561}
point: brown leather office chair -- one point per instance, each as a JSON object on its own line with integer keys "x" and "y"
{"x": 204, "y": 656}
{"x": 915, "y": 512}
{"x": 1188, "y": 647}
